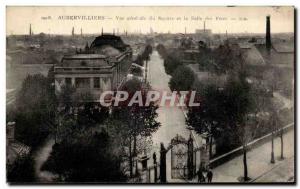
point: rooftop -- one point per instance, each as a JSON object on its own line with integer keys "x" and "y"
{"x": 84, "y": 56}
{"x": 111, "y": 40}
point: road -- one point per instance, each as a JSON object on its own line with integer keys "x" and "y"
{"x": 172, "y": 119}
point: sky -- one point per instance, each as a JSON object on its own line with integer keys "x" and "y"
{"x": 61, "y": 19}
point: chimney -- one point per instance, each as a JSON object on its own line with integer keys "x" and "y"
{"x": 268, "y": 33}
{"x": 73, "y": 31}
{"x": 30, "y": 30}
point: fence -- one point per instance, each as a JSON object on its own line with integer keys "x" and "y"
{"x": 238, "y": 151}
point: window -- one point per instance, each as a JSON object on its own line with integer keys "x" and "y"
{"x": 68, "y": 81}
{"x": 97, "y": 82}
{"x": 82, "y": 82}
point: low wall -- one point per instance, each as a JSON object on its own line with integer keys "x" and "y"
{"x": 238, "y": 151}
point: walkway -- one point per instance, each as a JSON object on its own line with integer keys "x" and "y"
{"x": 259, "y": 167}
{"x": 40, "y": 158}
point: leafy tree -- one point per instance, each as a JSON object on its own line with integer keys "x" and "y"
{"x": 239, "y": 103}
{"x": 138, "y": 120}
{"x": 86, "y": 157}
{"x": 182, "y": 79}
{"x": 209, "y": 116}
{"x": 21, "y": 171}
{"x": 35, "y": 111}
{"x": 137, "y": 71}
{"x": 171, "y": 62}
{"x": 206, "y": 61}
{"x": 227, "y": 114}
{"x": 139, "y": 60}
{"x": 227, "y": 58}
{"x": 148, "y": 50}
{"x": 162, "y": 50}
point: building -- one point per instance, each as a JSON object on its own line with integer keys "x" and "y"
{"x": 14, "y": 149}
{"x": 101, "y": 66}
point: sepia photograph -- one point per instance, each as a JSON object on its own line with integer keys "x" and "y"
{"x": 150, "y": 95}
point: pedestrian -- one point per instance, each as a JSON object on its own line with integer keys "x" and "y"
{"x": 209, "y": 175}
{"x": 154, "y": 158}
{"x": 200, "y": 175}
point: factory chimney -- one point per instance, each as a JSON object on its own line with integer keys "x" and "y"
{"x": 30, "y": 31}
{"x": 268, "y": 33}
{"x": 73, "y": 31}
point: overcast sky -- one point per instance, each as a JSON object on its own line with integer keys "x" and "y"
{"x": 219, "y": 19}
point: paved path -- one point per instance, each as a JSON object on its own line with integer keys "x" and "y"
{"x": 259, "y": 166}
{"x": 282, "y": 172}
{"x": 172, "y": 119}
{"x": 40, "y": 158}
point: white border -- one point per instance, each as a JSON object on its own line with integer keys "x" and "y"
{"x": 4, "y": 3}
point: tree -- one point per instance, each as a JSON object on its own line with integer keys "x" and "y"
{"x": 138, "y": 120}
{"x": 274, "y": 108}
{"x": 239, "y": 105}
{"x": 86, "y": 157}
{"x": 171, "y": 62}
{"x": 137, "y": 71}
{"x": 148, "y": 50}
{"x": 77, "y": 112}
{"x": 225, "y": 113}
{"x": 21, "y": 171}
{"x": 209, "y": 116}
{"x": 206, "y": 61}
{"x": 161, "y": 50}
{"x": 35, "y": 111}
{"x": 182, "y": 79}
{"x": 283, "y": 114}
{"x": 227, "y": 58}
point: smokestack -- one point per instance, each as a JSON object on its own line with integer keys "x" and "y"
{"x": 30, "y": 30}
{"x": 204, "y": 26}
{"x": 73, "y": 31}
{"x": 102, "y": 31}
{"x": 268, "y": 33}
